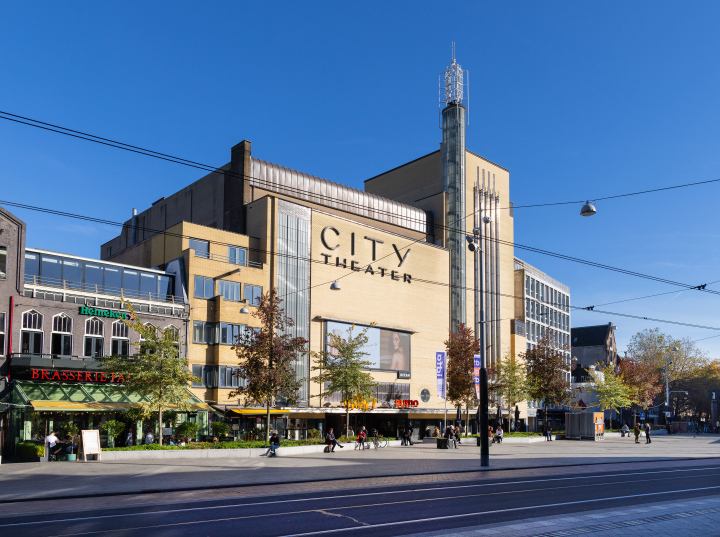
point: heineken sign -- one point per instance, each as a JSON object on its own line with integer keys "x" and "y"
{"x": 98, "y": 312}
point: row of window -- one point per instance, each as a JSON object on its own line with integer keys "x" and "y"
{"x": 61, "y": 342}
{"x": 544, "y": 314}
{"x": 546, "y": 294}
{"x": 208, "y": 333}
{"x": 99, "y": 302}
{"x": 535, "y": 332}
{"x": 384, "y": 392}
{"x": 217, "y": 377}
{"x": 230, "y": 291}
{"x": 96, "y": 277}
{"x": 237, "y": 255}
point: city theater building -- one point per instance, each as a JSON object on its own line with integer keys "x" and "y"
{"x": 393, "y": 255}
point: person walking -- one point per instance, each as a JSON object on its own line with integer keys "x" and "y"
{"x": 548, "y": 432}
{"x": 647, "y": 434}
{"x": 410, "y": 431}
{"x": 636, "y": 432}
{"x": 403, "y": 437}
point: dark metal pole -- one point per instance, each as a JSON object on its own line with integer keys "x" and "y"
{"x": 480, "y": 334}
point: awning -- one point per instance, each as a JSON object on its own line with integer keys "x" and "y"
{"x": 84, "y": 397}
{"x": 256, "y": 411}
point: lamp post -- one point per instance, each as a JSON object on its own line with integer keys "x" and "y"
{"x": 667, "y": 384}
{"x": 474, "y": 243}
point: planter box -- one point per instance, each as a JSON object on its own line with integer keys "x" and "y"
{"x": 442, "y": 443}
{"x": 215, "y": 453}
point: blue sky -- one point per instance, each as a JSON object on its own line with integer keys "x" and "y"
{"x": 576, "y": 100}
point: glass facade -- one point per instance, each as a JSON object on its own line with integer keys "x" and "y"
{"x": 293, "y": 280}
{"x": 97, "y": 277}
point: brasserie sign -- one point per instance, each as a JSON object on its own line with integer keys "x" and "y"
{"x": 99, "y": 312}
{"x": 77, "y": 376}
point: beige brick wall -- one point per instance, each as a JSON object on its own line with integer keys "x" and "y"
{"x": 418, "y": 306}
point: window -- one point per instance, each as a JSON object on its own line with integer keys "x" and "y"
{"x": 229, "y": 290}
{"x": 203, "y": 332}
{"x": 51, "y": 270}
{"x": 237, "y": 255}
{"x": 113, "y": 280}
{"x": 204, "y": 287}
{"x": 527, "y": 285}
{"x": 120, "y": 340}
{"x": 252, "y": 294}
{"x": 131, "y": 282}
{"x": 32, "y": 267}
{"x": 148, "y": 285}
{"x": 165, "y": 287}
{"x": 61, "y": 341}
{"x": 143, "y": 347}
{"x": 206, "y": 374}
{"x": 72, "y": 274}
{"x": 175, "y": 333}
{"x": 2, "y": 334}
{"x": 229, "y": 377}
{"x": 229, "y": 333}
{"x": 3, "y": 262}
{"x": 93, "y": 277}
{"x": 94, "y": 341}
{"x": 202, "y": 248}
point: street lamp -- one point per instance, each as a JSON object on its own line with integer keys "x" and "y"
{"x": 588, "y": 209}
{"x": 667, "y": 384}
{"x": 474, "y": 245}
{"x": 335, "y": 286}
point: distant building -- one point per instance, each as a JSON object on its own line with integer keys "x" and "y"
{"x": 592, "y": 345}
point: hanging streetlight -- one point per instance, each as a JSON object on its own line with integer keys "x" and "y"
{"x": 588, "y": 209}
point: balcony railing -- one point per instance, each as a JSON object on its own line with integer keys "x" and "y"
{"x": 231, "y": 260}
{"x": 101, "y": 289}
{"x": 51, "y": 356}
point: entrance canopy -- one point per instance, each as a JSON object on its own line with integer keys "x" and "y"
{"x": 69, "y": 397}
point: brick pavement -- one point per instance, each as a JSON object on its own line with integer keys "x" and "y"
{"x": 344, "y": 468}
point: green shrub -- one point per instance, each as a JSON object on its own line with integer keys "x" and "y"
{"x": 219, "y": 428}
{"x": 313, "y": 433}
{"x": 31, "y": 449}
{"x": 187, "y": 429}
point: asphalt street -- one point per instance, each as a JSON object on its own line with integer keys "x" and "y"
{"x": 388, "y": 510}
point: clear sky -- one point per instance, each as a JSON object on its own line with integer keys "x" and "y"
{"x": 577, "y": 100}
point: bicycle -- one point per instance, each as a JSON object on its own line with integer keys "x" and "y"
{"x": 379, "y": 442}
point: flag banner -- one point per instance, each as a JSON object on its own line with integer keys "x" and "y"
{"x": 440, "y": 370}
{"x": 476, "y": 375}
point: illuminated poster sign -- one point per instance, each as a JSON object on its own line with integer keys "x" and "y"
{"x": 386, "y": 350}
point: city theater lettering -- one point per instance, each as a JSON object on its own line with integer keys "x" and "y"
{"x": 330, "y": 238}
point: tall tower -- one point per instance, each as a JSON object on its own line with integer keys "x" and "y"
{"x": 453, "y": 117}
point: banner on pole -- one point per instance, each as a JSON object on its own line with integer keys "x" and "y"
{"x": 440, "y": 370}
{"x": 476, "y": 375}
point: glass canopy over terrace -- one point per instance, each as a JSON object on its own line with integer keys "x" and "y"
{"x": 68, "y": 272}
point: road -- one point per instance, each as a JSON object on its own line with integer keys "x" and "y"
{"x": 388, "y": 510}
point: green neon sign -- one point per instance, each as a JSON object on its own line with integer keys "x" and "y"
{"x": 98, "y": 312}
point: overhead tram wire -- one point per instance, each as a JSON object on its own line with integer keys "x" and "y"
{"x": 155, "y": 232}
{"x": 420, "y": 280}
{"x": 213, "y": 169}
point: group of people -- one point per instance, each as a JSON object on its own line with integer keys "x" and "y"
{"x": 497, "y": 436}
{"x": 406, "y": 436}
{"x": 56, "y": 446}
{"x": 637, "y": 431}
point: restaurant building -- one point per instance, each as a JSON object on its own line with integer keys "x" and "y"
{"x": 59, "y": 314}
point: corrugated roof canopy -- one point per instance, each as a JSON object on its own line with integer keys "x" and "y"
{"x": 299, "y": 185}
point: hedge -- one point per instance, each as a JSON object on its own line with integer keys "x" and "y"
{"x": 31, "y": 449}
{"x": 243, "y": 444}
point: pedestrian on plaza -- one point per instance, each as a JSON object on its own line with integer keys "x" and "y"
{"x": 636, "y": 432}
{"x": 427, "y": 432}
{"x": 50, "y": 441}
{"x": 149, "y": 438}
{"x": 499, "y": 434}
{"x": 667, "y": 427}
{"x": 410, "y": 431}
{"x": 490, "y": 433}
{"x": 548, "y": 432}
{"x": 403, "y": 438}
{"x": 450, "y": 437}
{"x": 436, "y": 432}
{"x": 274, "y": 444}
{"x": 362, "y": 435}
{"x": 625, "y": 430}
{"x": 331, "y": 441}
{"x": 457, "y": 434}
{"x": 647, "y": 433}
{"x": 351, "y": 433}
{"x": 128, "y": 439}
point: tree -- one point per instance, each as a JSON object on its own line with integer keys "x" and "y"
{"x": 157, "y": 372}
{"x": 509, "y": 382}
{"x": 341, "y": 369}
{"x": 699, "y": 387}
{"x": 641, "y": 379}
{"x": 266, "y": 357}
{"x": 112, "y": 428}
{"x": 219, "y": 428}
{"x": 547, "y": 372}
{"x": 461, "y": 349}
{"x": 187, "y": 429}
{"x": 654, "y": 347}
{"x": 609, "y": 388}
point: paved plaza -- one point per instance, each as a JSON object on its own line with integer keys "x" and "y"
{"x": 68, "y": 479}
